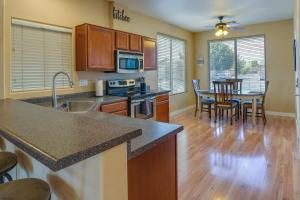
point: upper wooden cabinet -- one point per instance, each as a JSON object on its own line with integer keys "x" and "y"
{"x": 149, "y": 49}
{"x": 122, "y": 40}
{"x": 94, "y": 48}
{"x": 135, "y": 42}
{"x": 128, "y": 41}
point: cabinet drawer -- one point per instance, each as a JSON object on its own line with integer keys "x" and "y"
{"x": 163, "y": 97}
{"x": 122, "y": 112}
{"x": 114, "y": 107}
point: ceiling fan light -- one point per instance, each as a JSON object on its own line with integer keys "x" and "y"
{"x": 225, "y": 32}
{"x": 218, "y": 33}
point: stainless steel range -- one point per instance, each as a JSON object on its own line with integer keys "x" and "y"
{"x": 141, "y": 104}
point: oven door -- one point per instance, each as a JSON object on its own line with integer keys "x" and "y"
{"x": 143, "y": 108}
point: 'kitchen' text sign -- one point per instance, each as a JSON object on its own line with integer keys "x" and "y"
{"x": 120, "y": 15}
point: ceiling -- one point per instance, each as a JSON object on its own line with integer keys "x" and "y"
{"x": 197, "y": 15}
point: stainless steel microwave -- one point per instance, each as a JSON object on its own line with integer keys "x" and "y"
{"x": 129, "y": 62}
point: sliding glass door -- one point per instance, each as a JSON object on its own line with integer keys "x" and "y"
{"x": 242, "y": 58}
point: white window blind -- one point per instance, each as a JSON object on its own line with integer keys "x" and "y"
{"x": 38, "y": 52}
{"x": 171, "y": 56}
{"x": 242, "y": 58}
{"x": 251, "y": 62}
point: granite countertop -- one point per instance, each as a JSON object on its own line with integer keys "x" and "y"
{"x": 152, "y": 131}
{"x": 58, "y": 139}
{"x": 88, "y": 96}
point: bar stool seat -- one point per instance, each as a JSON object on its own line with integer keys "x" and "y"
{"x": 7, "y": 161}
{"x": 25, "y": 189}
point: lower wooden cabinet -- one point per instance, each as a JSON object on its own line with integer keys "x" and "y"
{"x": 153, "y": 174}
{"x": 122, "y": 112}
{"x": 118, "y": 108}
{"x": 162, "y": 108}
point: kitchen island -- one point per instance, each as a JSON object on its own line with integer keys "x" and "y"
{"x": 82, "y": 156}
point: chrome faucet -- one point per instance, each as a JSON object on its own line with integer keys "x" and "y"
{"x": 54, "y": 97}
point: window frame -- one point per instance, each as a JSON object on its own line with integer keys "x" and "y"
{"x": 235, "y": 53}
{"x": 44, "y": 26}
{"x": 185, "y": 67}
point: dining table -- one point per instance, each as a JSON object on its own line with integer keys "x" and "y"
{"x": 242, "y": 95}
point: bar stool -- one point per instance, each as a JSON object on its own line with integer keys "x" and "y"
{"x": 25, "y": 189}
{"x": 7, "y": 162}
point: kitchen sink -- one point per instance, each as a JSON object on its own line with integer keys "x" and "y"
{"x": 78, "y": 106}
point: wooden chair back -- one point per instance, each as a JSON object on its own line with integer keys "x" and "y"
{"x": 238, "y": 83}
{"x": 196, "y": 86}
{"x": 223, "y": 91}
{"x": 265, "y": 93}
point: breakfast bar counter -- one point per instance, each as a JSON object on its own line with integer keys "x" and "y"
{"x": 62, "y": 147}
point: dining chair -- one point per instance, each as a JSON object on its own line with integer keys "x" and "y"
{"x": 260, "y": 106}
{"x": 237, "y": 87}
{"x": 223, "y": 92}
{"x": 206, "y": 103}
{"x": 237, "y": 83}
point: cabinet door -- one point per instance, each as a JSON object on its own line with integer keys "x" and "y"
{"x": 162, "y": 111}
{"x": 135, "y": 42}
{"x": 149, "y": 49}
{"x": 153, "y": 174}
{"x": 101, "y": 43}
{"x": 122, "y": 40}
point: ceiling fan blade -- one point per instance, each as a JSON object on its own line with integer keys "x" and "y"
{"x": 238, "y": 28}
{"x": 209, "y": 27}
{"x": 231, "y": 22}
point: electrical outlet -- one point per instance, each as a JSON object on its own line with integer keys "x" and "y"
{"x": 83, "y": 83}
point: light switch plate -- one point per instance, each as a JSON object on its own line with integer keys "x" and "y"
{"x": 83, "y": 83}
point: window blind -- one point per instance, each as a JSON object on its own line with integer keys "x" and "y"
{"x": 171, "y": 56}
{"x": 251, "y": 62}
{"x": 38, "y": 52}
{"x": 242, "y": 58}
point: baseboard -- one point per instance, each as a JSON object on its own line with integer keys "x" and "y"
{"x": 179, "y": 111}
{"x": 282, "y": 114}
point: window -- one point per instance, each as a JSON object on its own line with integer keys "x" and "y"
{"x": 171, "y": 56}
{"x": 242, "y": 58}
{"x": 38, "y": 52}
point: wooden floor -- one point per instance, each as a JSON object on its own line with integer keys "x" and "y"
{"x": 238, "y": 162}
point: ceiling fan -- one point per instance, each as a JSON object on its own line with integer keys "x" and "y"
{"x": 222, "y": 28}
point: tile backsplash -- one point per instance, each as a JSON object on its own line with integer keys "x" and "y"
{"x": 151, "y": 77}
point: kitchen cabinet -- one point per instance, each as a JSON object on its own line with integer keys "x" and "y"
{"x": 122, "y": 112}
{"x": 128, "y": 41}
{"x": 153, "y": 174}
{"x": 122, "y": 40}
{"x": 149, "y": 50}
{"x": 135, "y": 42}
{"x": 118, "y": 108}
{"x": 95, "y": 47}
{"x": 162, "y": 108}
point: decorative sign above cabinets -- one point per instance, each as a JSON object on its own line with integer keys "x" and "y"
{"x": 120, "y": 15}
